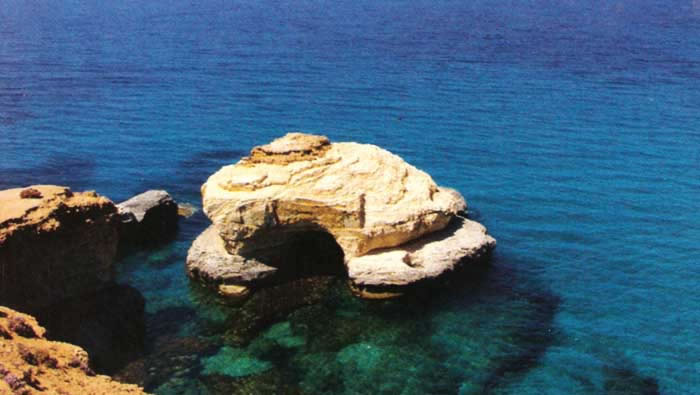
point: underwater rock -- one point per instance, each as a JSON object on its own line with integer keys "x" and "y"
{"x": 622, "y": 380}
{"x": 364, "y": 198}
{"x": 234, "y": 362}
{"x": 148, "y": 217}
{"x": 273, "y": 304}
{"x": 53, "y": 247}
{"x": 34, "y": 363}
{"x": 268, "y": 382}
{"x": 170, "y": 357}
{"x": 234, "y": 293}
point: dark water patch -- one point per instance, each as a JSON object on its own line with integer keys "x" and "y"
{"x": 168, "y": 321}
{"x": 158, "y": 255}
{"x": 533, "y": 338}
{"x": 621, "y": 380}
{"x": 108, "y": 324}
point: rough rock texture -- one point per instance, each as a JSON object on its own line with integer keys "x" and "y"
{"x": 209, "y": 261}
{"x": 29, "y": 363}
{"x": 54, "y": 244}
{"x": 148, "y": 217}
{"x": 425, "y": 258}
{"x": 366, "y": 198}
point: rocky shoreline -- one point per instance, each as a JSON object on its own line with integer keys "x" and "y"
{"x": 57, "y": 251}
{"x": 294, "y": 214}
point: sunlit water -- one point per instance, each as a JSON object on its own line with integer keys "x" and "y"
{"x": 572, "y": 128}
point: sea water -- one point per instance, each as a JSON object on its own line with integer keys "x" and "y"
{"x": 571, "y": 127}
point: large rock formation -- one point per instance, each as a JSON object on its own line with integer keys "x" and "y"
{"x": 54, "y": 244}
{"x": 376, "y": 207}
{"x": 29, "y": 363}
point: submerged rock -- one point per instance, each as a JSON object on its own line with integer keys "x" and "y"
{"x": 29, "y": 362}
{"x": 171, "y": 357}
{"x": 148, "y": 217}
{"x": 273, "y": 304}
{"x": 373, "y": 206}
{"x": 623, "y": 380}
{"x": 54, "y": 245}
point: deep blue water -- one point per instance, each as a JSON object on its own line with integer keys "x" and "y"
{"x": 572, "y": 128}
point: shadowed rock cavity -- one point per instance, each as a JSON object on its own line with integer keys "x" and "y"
{"x": 299, "y": 252}
{"x": 395, "y": 227}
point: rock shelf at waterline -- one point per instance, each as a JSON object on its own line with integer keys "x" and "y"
{"x": 301, "y": 206}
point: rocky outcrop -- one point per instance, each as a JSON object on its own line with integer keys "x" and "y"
{"x": 148, "y": 217}
{"x": 383, "y": 272}
{"x": 373, "y": 204}
{"x": 57, "y": 248}
{"x": 54, "y": 245}
{"x": 29, "y": 363}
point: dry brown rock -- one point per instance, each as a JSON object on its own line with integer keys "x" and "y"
{"x": 366, "y": 198}
{"x": 56, "y": 246}
{"x": 34, "y": 364}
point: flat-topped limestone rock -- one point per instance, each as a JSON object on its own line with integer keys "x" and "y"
{"x": 366, "y": 198}
{"x": 54, "y": 244}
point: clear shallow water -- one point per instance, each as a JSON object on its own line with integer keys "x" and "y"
{"x": 571, "y": 127}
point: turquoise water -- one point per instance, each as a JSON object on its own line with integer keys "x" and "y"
{"x": 572, "y": 128}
